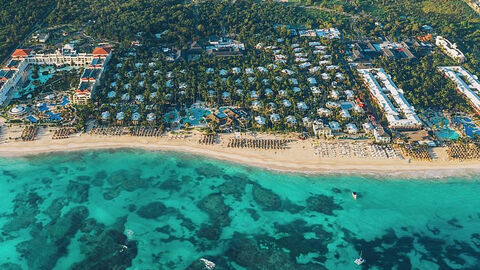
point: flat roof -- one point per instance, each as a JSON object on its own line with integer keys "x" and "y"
{"x": 470, "y": 88}
{"x": 401, "y": 116}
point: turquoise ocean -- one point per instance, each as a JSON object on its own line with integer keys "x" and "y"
{"x": 133, "y": 209}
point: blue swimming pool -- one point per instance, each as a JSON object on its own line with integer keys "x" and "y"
{"x": 31, "y": 119}
{"x": 54, "y": 116}
{"x": 444, "y": 133}
{"x": 471, "y": 129}
{"x": 347, "y": 105}
{"x": 195, "y": 116}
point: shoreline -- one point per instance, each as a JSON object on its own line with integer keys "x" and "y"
{"x": 298, "y": 159}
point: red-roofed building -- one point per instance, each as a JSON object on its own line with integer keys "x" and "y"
{"x": 101, "y": 51}
{"x": 21, "y": 53}
{"x": 14, "y": 74}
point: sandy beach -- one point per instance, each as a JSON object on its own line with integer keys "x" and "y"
{"x": 299, "y": 157}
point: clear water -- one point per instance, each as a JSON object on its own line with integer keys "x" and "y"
{"x": 129, "y": 209}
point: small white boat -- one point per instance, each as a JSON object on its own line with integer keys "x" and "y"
{"x": 354, "y": 195}
{"x": 359, "y": 260}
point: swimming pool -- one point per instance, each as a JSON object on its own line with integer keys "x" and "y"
{"x": 444, "y": 133}
{"x": 347, "y": 105}
{"x": 447, "y": 134}
{"x": 195, "y": 116}
{"x": 471, "y": 129}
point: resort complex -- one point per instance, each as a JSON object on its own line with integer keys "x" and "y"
{"x": 14, "y": 74}
{"x": 244, "y": 134}
{"x": 348, "y": 94}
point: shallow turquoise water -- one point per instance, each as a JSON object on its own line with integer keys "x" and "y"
{"x": 129, "y": 209}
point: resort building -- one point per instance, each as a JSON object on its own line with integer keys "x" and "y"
{"x": 402, "y": 115}
{"x": 334, "y": 126}
{"x": 260, "y": 120}
{"x": 15, "y": 73}
{"x": 223, "y": 46}
{"x": 321, "y": 131}
{"x": 450, "y": 49}
{"x": 380, "y": 135}
{"x": 397, "y": 50}
{"x": 11, "y": 77}
{"x": 351, "y": 128}
{"x": 328, "y": 33}
{"x": 467, "y": 84}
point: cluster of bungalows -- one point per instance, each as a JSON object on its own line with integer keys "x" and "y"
{"x": 467, "y": 84}
{"x": 399, "y": 117}
{"x": 320, "y": 69}
{"x": 15, "y": 73}
{"x": 450, "y": 49}
{"x": 135, "y": 118}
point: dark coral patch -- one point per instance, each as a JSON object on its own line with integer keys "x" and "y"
{"x": 322, "y": 204}
{"x": 152, "y": 210}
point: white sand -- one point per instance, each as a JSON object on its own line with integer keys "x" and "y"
{"x": 299, "y": 157}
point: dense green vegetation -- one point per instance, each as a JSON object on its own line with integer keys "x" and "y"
{"x": 250, "y": 18}
{"x": 120, "y": 20}
{"x": 424, "y": 86}
{"x": 17, "y": 19}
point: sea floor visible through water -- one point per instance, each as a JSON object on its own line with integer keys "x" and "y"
{"x": 133, "y": 209}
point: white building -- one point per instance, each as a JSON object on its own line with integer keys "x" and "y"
{"x": 334, "y": 126}
{"x": 324, "y": 112}
{"x": 260, "y": 120}
{"x": 14, "y": 73}
{"x": 404, "y": 117}
{"x": 380, "y": 135}
{"x": 351, "y": 128}
{"x": 10, "y": 79}
{"x": 450, "y": 49}
{"x": 312, "y": 81}
{"x": 291, "y": 120}
{"x": 302, "y": 106}
{"x": 274, "y": 117}
{"x": 467, "y": 84}
{"x": 367, "y": 127}
{"x": 321, "y": 131}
